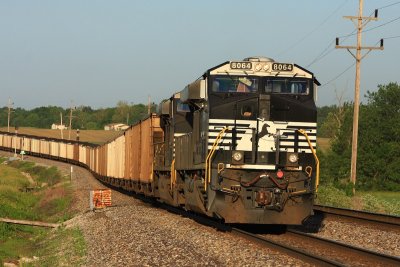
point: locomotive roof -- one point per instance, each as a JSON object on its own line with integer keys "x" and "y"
{"x": 261, "y": 66}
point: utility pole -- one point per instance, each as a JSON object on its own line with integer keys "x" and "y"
{"x": 360, "y": 22}
{"x": 149, "y": 106}
{"x": 9, "y": 113}
{"x": 70, "y": 121}
{"x": 61, "y": 126}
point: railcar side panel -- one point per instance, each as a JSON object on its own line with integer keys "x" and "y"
{"x": 70, "y": 151}
{"x": 149, "y": 128}
{"x": 35, "y": 146}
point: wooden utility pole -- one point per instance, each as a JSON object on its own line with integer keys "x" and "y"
{"x": 70, "y": 122}
{"x": 149, "y": 106}
{"x": 360, "y": 22}
{"x": 61, "y": 126}
{"x": 9, "y": 113}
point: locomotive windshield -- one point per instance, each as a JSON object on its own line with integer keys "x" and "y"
{"x": 286, "y": 86}
{"x": 269, "y": 85}
{"x": 235, "y": 84}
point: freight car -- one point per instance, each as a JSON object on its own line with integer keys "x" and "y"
{"x": 237, "y": 144}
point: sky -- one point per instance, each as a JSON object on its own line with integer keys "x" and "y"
{"x": 96, "y": 53}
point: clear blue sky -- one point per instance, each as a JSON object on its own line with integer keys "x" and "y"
{"x": 99, "y": 52}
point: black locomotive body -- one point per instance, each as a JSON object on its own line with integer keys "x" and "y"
{"x": 240, "y": 143}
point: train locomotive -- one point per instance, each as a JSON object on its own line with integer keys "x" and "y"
{"x": 237, "y": 144}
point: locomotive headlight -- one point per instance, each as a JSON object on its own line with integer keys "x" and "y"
{"x": 237, "y": 156}
{"x": 293, "y": 158}
{"x": 266, "y": 67}
{"x": 258, "y": 67}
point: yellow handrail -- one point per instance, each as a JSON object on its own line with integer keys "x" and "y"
{"x": 210, "y": 155}
{"x": 315, "y": 157}
{"x": 173, "y": 174}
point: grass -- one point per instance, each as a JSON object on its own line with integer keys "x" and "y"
{"x": 91, "y": 136}
{"x": 372, "y": 201}
{"x": 63, "y": 247}
{"x": 50, "y": 201}
{"x": 382, "y": 202}
{"x": 323, "y": 144}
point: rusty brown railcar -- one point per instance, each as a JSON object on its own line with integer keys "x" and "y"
{"x": 140, "y": 140}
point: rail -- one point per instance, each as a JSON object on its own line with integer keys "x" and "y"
{"x": 287, "y": 249}
{"x": 359, "y": 215}
{"x": 344, "y": 253}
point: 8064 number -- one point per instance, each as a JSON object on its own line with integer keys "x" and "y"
{"x": 282, "y": 67}
{"x": 241, "y": 65}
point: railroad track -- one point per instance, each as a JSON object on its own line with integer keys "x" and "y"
{"x": 320, "y": 251}
{"x": 383, "y": 221}
{"x": 306, "y": 247}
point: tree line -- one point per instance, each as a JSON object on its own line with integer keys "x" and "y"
{"x": 378, "y": 163}
{"x": 84, "y": 117}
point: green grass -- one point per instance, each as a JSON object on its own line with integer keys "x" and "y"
{"x": 382, "y": 202}
{"x": 332, "y": 196}
{"x": 50, "y": 201}
{"x": 372, "y": 201}
{"x": 63, "y": 247}
{"x": 324, "y": 144}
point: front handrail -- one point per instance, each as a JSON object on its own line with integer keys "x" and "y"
{"x": 303, "y": 132}
{"x": 210, "y": 155}
{"x": 173, "y": 175}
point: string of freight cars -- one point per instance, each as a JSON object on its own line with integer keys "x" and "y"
{"x": 237, "y": 144}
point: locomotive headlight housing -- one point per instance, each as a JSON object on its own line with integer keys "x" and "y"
{"x": 237, "y": 157}
{"x": 293, "y": 158}
{"x": 258, "y": 67}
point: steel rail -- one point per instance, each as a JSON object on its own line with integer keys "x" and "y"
{"x": 306, "y": 256}
{"x": 372, "y": 257}
{"x": 285, "y": 249}
{"x": 359, "y": 215}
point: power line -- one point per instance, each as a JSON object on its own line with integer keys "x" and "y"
{"x": 322, "y": 54}
{"x": 392, "y": 37}
{"x": 384, "y": 24}
{"x": 319, "y": 26}
{"x": 325, "y": 51}
{"x": 398, "y": 2}
{"x": 337, "y": 76}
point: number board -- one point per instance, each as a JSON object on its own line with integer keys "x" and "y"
{"x": 282, "y": 67}
{"x": 241, "y": 65}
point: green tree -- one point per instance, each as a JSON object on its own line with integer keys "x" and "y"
{"x": 379, "y": 158}
{"x": 378, "y": 163}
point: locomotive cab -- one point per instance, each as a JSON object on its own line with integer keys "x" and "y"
{"x": 241, "y": 142}
{"x": 262, "y": 141}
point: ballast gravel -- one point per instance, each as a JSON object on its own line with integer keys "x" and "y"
{"x": 380, "y": 240}
{"x": 135, "y": 233}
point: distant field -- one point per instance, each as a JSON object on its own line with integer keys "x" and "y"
{"x": 323, "y": 143}
{"x": 91, "y": 136}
